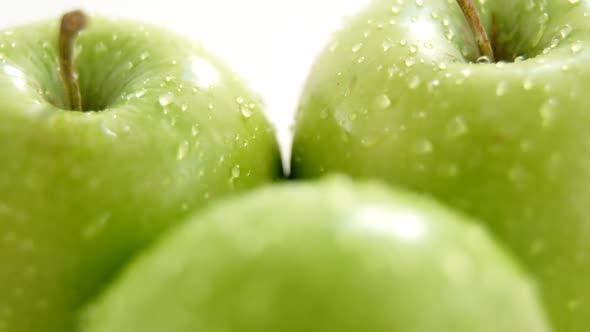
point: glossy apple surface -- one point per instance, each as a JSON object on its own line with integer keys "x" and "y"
{"x": 167, "y": 129}
{"x": 328, "y": 256}
{"x": 397, "y": 96}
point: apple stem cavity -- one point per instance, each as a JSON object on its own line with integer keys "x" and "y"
{"x": 71, "y": 24}
{"x": 481, "y": 36}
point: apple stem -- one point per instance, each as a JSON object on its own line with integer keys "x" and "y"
{"x": 71, "y": 24}
{"x": 483, "y": 42}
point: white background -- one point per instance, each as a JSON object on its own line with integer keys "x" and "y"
{"x": 270, "y": 43}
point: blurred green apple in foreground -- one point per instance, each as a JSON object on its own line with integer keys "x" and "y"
{"x": 165, "y": 128}
{"x": 330, "y": 256}
{"x": 398, "y": 95}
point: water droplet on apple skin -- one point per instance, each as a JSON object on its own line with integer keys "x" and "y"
{"x": 527, "y": 84}
{"x": 96, "y": 226}
{"x": 424, "y": 146}
{"x": 165, "y": 99}
{"x": 414, "y": 82}
{"x": 107, "y": 131}
{"x": 501, "y": 88}
{"x": 357, "y": 47}
{"x": 483, "y": 60}
{"x": 457, "y": 127}
{"x": 577, "y": 47}
{"x": 182, "y": 150}
{"x": 195, "y": 130}
{"x": 236, "y": 171}
{"x": 383, "y": 101}
{"x": 548, "y": 112}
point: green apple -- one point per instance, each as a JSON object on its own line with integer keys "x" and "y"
{"x": 399, "y": 95}
{"x": 317, "y": 257}
{"x": 166, "y": 129}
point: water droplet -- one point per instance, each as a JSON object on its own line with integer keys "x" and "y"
{"x": 419, "y": 3}
{"x": 369, "y": 141}
{"x": 450, "y": 34}
{"x": 383, "y": 101}
{"x": 144, "y": 55}
{"x": 386, "y": 46}
{"x": 182, "y": 150}
{"x": 395, "y": 10}
{"x": 195, "y": 130}
{"x": 140, "y": 93}
{"x": 527, "y": 84}
{"x": 501, "y": 88}
{"x": 413, "y": 49}
{"x": 245, "y": 111}
{"x": 166, "y": 99}
{"x": 184, "y": 107}
{"x": 100, "y": 47}
{"x": 410, "y": 61}
{"x": 574, "y": 1}
{"x": 565, "y": 31}
{"x": 428, "y": 46}
{"x": 360, "y": 60}
{"x": 434, "y": 15}
{"x": 96, "y": 226}
{"x": 519, "y": 58}
{"x": 357, "y": 47}
{"x": 483, "y": 60}
{"x": 433, "y": 84}
{"x": 577, "y": 47}
{"x": 107, "y": 130}
{"x": 235, "y": 171}
{"x": 548, "y": 112}
{"x": 415, "y": 82}
{"x": 424, "y": 146}
{"x": 457, "y": 127}
{"x": 466, "y": 72}
{"x": 420, "y": 115}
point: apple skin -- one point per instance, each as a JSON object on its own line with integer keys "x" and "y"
{"x": 396, "y": 96}
{"x": 80, "y": 193}
{"x": 327, "y": 256}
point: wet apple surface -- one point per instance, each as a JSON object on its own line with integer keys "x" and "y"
{"x": 165, "y": 128}
{"x": 401, "y": 94}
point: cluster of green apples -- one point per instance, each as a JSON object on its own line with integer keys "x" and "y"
{"x": 455, "y": 197}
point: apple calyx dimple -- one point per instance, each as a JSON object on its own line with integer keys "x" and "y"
{"x": 71, "y": 24}
{"x": 481, "y": 36}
